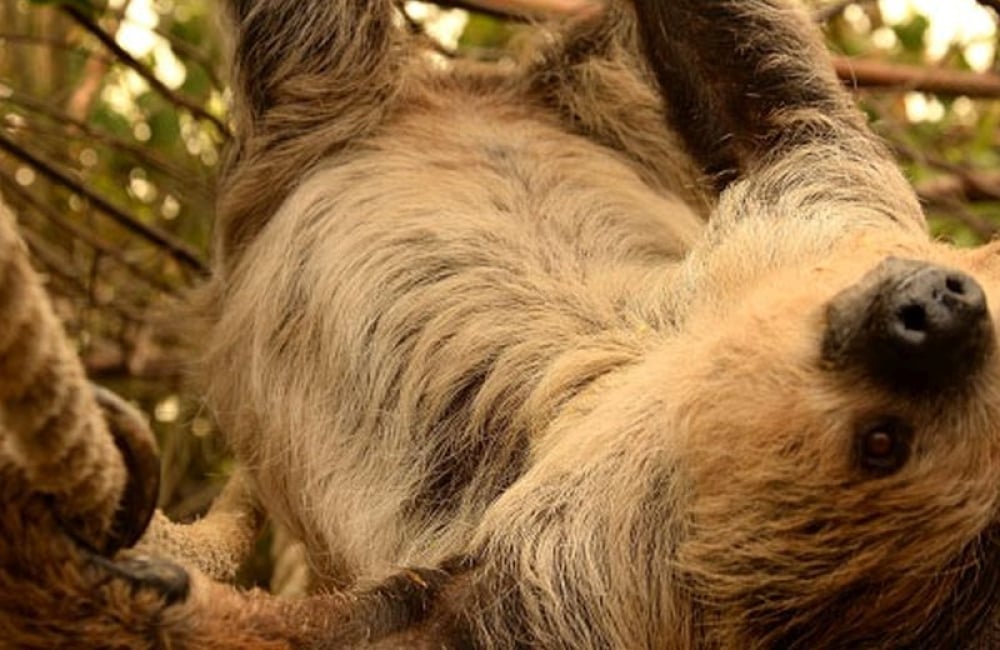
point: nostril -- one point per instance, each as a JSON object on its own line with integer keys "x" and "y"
{"x": 913, "y": 318}
{"x": 911, "y": 324}
{"x": 955, "y": 285}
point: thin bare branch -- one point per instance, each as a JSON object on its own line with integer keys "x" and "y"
{"x": 521, "y": 10}
{"x": 145, "y": 156}
{"x": 191, "y": 53}
{"x": 171, "y": 245}
{"x": 984, "y": 229}
{"x": 180, "y": 46}
{"x": 965, "y": 185}
{"x": 12, "y": 189}
{"x": 859, "y": 73}
{"x": 53, "y": 43}
{"x": 52, "y": 262}
{"x": 992, "y": 4}
{"x": 974, "y": 185}
{"x": 864, "y": 73}
{"x": 143, "y": 71}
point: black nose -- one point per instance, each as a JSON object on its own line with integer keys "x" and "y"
{"x": 910, "y": 324}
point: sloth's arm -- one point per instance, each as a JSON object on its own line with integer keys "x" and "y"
{"x": 218, "y": 543}
{"x": 74, "y": 491}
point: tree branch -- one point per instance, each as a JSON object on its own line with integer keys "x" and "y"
{"x": 519, "y": 10}
{"x": 193, "y": 54}
{"x": 52, "y": 43}
{"x": 992, "y": 4}
{"x": 51, "y": 262}
{"x": 974, "y": 185}
{"x": 143, "y": 154}
{"x": 984, "y": 229}
{"x": 12, "y": 189}
{"x": 961, "y": 184}
{"x": 864, "y": 73}
{"x": 859, "y": 73}
{"x": 128, "y": 60}
{"x": 174, "y": 247}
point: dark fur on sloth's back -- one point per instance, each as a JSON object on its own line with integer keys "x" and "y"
{"x": 472, "y": 312}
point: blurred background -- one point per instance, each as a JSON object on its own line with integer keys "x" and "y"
{"x": 113, "y": 121}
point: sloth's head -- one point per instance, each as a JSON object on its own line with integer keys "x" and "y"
{"x": 841, "y": 430}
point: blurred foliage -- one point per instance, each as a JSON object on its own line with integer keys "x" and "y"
{"x": 948, "y": 144}
{"x": 113, "y": 122}
{"x": 111, "y": 175}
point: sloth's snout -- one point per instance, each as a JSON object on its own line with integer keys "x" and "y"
{"x": 911, "y": 325}
{"x": 932, "y": 310}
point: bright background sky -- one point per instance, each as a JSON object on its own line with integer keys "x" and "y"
{"x": 963, "y": 22}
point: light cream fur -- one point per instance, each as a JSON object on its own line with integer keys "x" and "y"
{"x": 479, "y": 313}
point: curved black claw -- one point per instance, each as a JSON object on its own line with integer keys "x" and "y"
{"x": 144, "y": 573}
{"x": 138, "y": 447}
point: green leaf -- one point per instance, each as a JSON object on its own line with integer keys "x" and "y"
{"x": 485, "y": 32}
{"x": 911, "y": 33}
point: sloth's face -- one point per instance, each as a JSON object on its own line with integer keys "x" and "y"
{"x": 842, "y": 433}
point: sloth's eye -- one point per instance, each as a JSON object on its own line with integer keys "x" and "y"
{"x": 879, "y": 444}
{"x": 884, "y": 445}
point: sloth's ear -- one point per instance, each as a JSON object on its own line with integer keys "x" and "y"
{"x": 743, "y": 80}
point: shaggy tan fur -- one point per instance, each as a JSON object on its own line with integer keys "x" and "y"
{"x": 476, "y": 312}
{"x": 475, "y": 319}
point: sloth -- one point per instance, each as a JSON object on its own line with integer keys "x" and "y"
{"x": 640, "y": 343}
